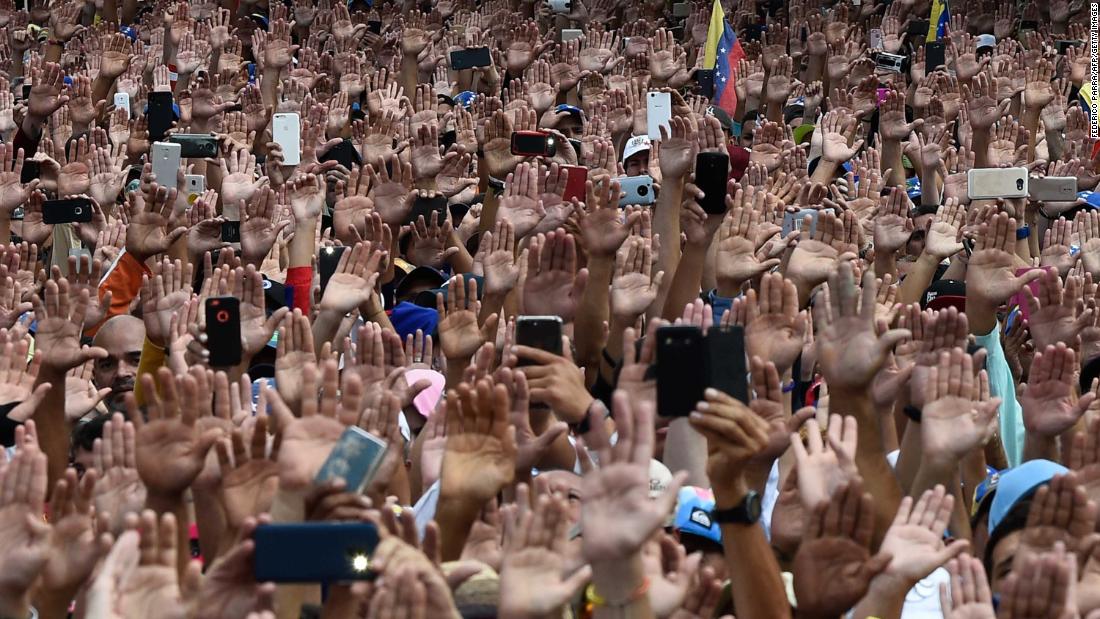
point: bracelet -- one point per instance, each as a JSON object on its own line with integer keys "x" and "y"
{"x": 1023, "y": 233}
{"x": 789, "y": 387}
{"x": 594, "y": 599}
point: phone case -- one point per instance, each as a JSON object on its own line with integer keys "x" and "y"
{"x": 727, "y": 367}
{"x": 326, "y": 552}
{"x": 327, "y": 261}
{"x": 933, "y": 55}
{"x": 991, "y": 183}
{"x": 286, "y": 131}
{"x": 658, "y": 113}
{"x": 425, "y": 206}
{"x": 711, "y": 173}
{"x": 160, "y": 114}
{"x": 343, "y": 153}
{"x": 470, "y": 57}
{"x": 166, "y": 163}
{"x": 796, "y": 221}
{"x": 636, "y": 190}
{"x": 876, "y": 38}
{"x": 223, "y": 330}
{"x": 533, "y": 144}
{"x": 1053, "y": 188}
{"x": 196, "y": 145}
{"x": 354, "y": 458}
{"x": 568, "y": 34}
{"x": 66, "y": 211}
{"x": 575, "y": 183}
{"x": 231, "y": 231}
{"x": 681, "y": 365}
{"x": 122, "y": 101}
{"x": 541, "y": 332}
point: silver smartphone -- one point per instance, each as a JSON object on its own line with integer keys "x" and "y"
{"x": 568, "y": 34}
{"x": 991, "y": 183}
{"x": 1053, "y": 189}
{"x": 658, "y": 111}
{"x": 796, "y": 220}
{"x": 166, "y": 163}
{"x": 636, "y": 190}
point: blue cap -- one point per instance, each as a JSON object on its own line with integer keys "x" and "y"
{"x": 693, "y": 508}
{"x": 465, "y": 98}
{"x": 407, "y": 318}
{"x": 571, "y": 110}
{"x": 912, "y": 187}
{"x": 986, "y": 490}
{"x": 129, "y": 32}
{"x": 1019, "y": 483}
{"x": 1091, "y": 198}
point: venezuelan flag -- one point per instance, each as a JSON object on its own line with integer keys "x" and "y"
{"x": 722, "y": 52}
{"x": 937, "y": 20}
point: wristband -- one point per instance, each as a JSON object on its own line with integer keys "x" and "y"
{"x": 594, "y": 599}
{"x": 789, "y": 387}
{"x": 1023, "y": 233}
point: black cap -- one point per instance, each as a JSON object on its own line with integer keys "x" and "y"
{"x": 944, "y": 293}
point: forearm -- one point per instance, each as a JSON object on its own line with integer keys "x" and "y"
{"x": 1030, "y": 121}
{"x": 1038, "y": 447}
{"x": 301, "y": 246}
{"x": 269, "y": 89}
{"x": 176, "y": 505}
{"x": 324, "y": 327}
{"x": 618, "y": 583}
{"x": 53, "y": 427}
{"x": 929, "y": 187}
{"x": 409, "y": 76}
{"x": 980, "y": 146}
{"x": 685, "y": 282}
{"x": 666, "y": 225}
{"x": 593, "y": 310}
{"x": 455, "y": 516}
{"x": 886, "y": 263}
{"x": 462, "y": 261}
{"x": 891, "y": 160}
{"x": 883, "y": 600}
{"x": 101, "y": 88}
{"x": 917, "y": 279}
{"x": 870, "y": 456}
{"x": 686, "y": 450}
{"x": 825, "y": 171}
{"x": 757, "y": 587}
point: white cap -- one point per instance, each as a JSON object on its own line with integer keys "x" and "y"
{"x": 635, "y": 145}
{"x": 659, "y": 478}
{"x": 986, "y": 40}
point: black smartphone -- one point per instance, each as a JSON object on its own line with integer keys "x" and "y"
{"x": 327, "y": 552}
{"x": 31, "y": 170}
{"x": 343, "y": 153}
{"x": 711, "y": 173}
{"x": 933, "y": 55}
{"x": 534, "y": 144}
{"x": 918, "y": 27}
{"x": 727, "y": 368}
{"x": 1063, "y": 44}
{"x": 577, "y": 144}
{"x": 67, "y": 211}
{"x": 541, "y": 332}
{"x": 223, "y": 331}
{"x": 327, "y": 261}
{"x": 160, "y": 114}
{"x": 26, "y": 91}
{"x": 1029, "y": 24}
{"x": 374, "y": 26}
{"x": 470, "y": 57}
{"x": 681, "y": 365}
{"x": 426, "y": 206}
{"x": 231, "y": 231}
{"x": 705, "y": 79}
{"x": 196, "y": 145}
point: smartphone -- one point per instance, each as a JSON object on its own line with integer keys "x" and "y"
{"x": 876, "y": 38}
{"x": 327, "y": 261}
{"x": 933, "y": 55}
{"x": 327, "y": 552}
{"x": 681, "y": 375}
{"x": 470, "y": 57}
{"x": 355, "y": 459}
{"x": 797, "y": 221}
{"x": 559, "y": 6}
{"x": 1019, "y": 300}
{"x": 195, "y": 184}
{"x": 658, "y": 107}
{"x": 196, "y": 145}
{"x": 575, "y": 183}
{"x": 1063, "y": 44}
{"x": 891, "y": 62}
{"x": 223, "y": 330}
{"x": 541, "y": 332}
{"x": 711, "y": 173}
{"x": 67, "y": 211}
{"x": 1028, "y": 24}
{"x": 636, "y": 190}
{"x": 990, "y": 183}
{"x": 727, "y": 366}
{"x": 374, "y": 26}
{"x": 32, "y": 169}
{"x": 426, "y": 206}
{"x": 917, "y": 27}
{"x": 160, "y": 114}
{"x": 681, "y": 9}
{"x": 576, "y": 145}
{"x": 286, "y": 131}
{"x": 568, "y": 34}
{"x": 122, "y": 101}
{"x": 1053, "y": 189}
{"x": 343, "y": 153}
{"x": 231, "y": 231}
{"x": 166, "y": 163}
{"x": 533, "y": 144}
{"x": 705, "y": 79}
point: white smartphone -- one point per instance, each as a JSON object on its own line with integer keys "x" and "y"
{"x": 286, "y": 131}
{"x": 195, "y": 185}
{"x": 568, "y": 34}
{"x": 991, "y": 183}
{"x": 1053, "y": 189}
{"x": 122, "y": 100}
{"x": 559, "y": 6}
{"x": 166, "y": 163}
{"x": 658, "y": 108}
{"x": 876, "y": 38}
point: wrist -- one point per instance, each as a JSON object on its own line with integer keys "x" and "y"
{"x": 616, "y": 580}
{"x": 15, "y": 604}
{"x": 163, "y": 502}
{"x": 728, "y": 493}
{"x": 576, "y": 410}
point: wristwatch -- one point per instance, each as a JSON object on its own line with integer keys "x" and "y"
{"x": 746, "y": 512}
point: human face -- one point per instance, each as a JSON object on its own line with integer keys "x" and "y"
{"x": 119, "y": 369}
{"x": 1002, "y": 560}
{"x": 568, "y": 485}
{"x": 637, "y": 164}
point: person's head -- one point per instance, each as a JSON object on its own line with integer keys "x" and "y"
{"x": 567, "y": 484}
{"x": 695, "y": 528}
{"x": 570, "y": 121}
{"x": 84, "y": 435}
{"x": 122, "y": 337}
{"x": 636, "y": 156}
{"x": 748, "y": 129}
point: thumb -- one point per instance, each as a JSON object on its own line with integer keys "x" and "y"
{"x": 175, "y": 235}
{"x": 543, "y": 441}
{"x": 877, "y": 564}
{"x": 892, "y": 338}
{"x": 92, "y": 352}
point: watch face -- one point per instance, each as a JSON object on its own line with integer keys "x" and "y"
{"x": 753, "y": 506}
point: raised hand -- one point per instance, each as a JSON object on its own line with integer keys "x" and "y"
{"x": 148, "y": 232}
{"x": 520, "y": 205}
{"x": 250, "y": 474}
{"x": 915, "y": 539}
{"x": 163, "y": 295}
{"x": 295, "y": 349}
{"x": 603, "y": 228}
{"x": 1046, "y": 399}
{"x": 27, "y": 538}
{"x": 75, "y": 549}
{"x": 352, "y": 284}
{"x": 459, "y": 332}
{"x": 958, "y": 415}
{"x": 481, "y": 445}
{"x": 256, "y": 326}
{"x": 553, "y": 285}
{"x": 634, "y": 286}
{"x": 969, "y": 596}
{"x": 825, "y": 465}
{"x": 260, "y": 226}
{"x": 60, "y": 324}
{"x": 118, "y": 488}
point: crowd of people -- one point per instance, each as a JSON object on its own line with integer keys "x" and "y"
{"x": 918, "y": 429}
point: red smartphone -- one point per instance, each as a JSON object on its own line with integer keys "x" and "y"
{"x": 575, "y": 183}
{"x": 533, "y": 144}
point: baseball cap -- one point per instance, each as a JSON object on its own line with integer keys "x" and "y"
{"x": 465, "y": 98}
{"x": 434, "y": 278}
{"x": 1017, "y": 484}
{"x": 572, "y": 110}
{"x": 635, "y": 145}
{"x": 659, "y": 478}
{"x": 426, "y": 400}
{"x": 986, "y": 40}
{"x": 984, "y": 492}
{"x": 802, "y": 133}
{"x": 426, "y": 298}
{"x": 407, "y": 318}
{"x": 944, "y": 293}
{"x": 693, "y": 508}
{"x": 723, "y": 118}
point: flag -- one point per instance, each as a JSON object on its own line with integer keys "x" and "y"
{"x": 937, "y": 20}
{"x": 721, "y": 53}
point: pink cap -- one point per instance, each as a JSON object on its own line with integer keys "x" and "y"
{"x": 426, "y": 400}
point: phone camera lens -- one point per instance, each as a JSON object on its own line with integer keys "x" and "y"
{"x": 222, "y": 316}
{"x": 643, "y": 190}
{"x": 1019, "y": 184}
{"x": 77, "y": 210}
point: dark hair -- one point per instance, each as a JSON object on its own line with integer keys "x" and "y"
{"x": 84, "y": 434}
{"x": 1014, "y": 520}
